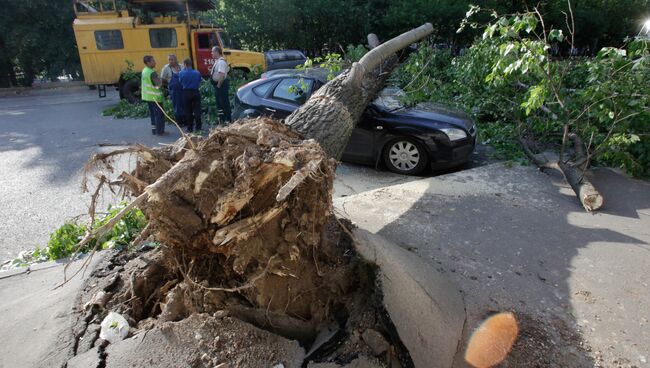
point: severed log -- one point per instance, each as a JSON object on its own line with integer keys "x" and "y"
{"x": 589, "y": 197}
{"x": 332, "y": 112}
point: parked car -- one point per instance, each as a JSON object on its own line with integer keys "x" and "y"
{"x": 408, "y": 140}
{"x": 284, "y": 59}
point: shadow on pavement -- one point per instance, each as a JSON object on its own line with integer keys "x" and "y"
{"x": 56, "y": 133}
{"x": 512, "y": 241}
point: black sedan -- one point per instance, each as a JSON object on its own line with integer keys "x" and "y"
{"x": 407, "y": 140}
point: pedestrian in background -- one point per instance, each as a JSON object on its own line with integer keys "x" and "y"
{"x": 170, "y": 78}
{"x": 219, "y": 77}
{"x": 190, "y": 81}
{"x": 152, "y": 94}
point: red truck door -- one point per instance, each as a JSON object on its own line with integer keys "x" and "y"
{"x": 203, "y": 43}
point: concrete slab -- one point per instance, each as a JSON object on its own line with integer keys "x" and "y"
{"x": 427, "y": 310}
{"x": 200, "y": 340}
{"x": 36, "y": 329}
{"x": 516, "y": 239}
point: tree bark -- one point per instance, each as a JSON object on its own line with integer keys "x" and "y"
{"x": 333, "y": 111}
{"x": 589, "y": 197}
{"x": 373, "y": 40}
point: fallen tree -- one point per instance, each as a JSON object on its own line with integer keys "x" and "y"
{"x": 244, "y": 218}
{"x": 573, "y": 167}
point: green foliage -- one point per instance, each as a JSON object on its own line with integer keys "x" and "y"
{"x": 331, "y": 61}
{"x": 355, "y": 53}
{"x": 130, "y": 72}
{"x": 512, "y": 85}
{"x": 36, "y": 39}
{"x": 63, "y": 242}
{"x": 46, "y": 47}
{"x": 314, "y": 26}
{"x": 126, "y": 110}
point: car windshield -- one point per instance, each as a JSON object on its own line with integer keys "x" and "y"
{"x": 390, "y": 99}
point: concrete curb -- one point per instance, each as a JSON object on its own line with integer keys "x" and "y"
{"x": 426, "y": 309}
{"x": 37, "y": 267}
{"x": 25, "y": 91}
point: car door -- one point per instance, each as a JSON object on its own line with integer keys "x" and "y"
{"x": 361, "y": 147}
{"x": 287, "y": 96}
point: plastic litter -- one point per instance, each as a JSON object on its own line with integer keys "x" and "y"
{"x": 114, "y": 328}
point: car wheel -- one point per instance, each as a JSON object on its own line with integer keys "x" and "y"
{"x": 405, "y": 156}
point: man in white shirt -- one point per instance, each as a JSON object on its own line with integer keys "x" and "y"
{"x": 219, "y": 76}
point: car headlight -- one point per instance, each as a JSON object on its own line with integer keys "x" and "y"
{"x": 454, "y": 134}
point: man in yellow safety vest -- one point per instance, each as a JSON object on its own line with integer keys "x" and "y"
{"x": 152, "y": 94}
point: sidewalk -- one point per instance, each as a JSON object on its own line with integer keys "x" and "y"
{"x": 43, "y": 88}
{"x": 515, "y": 239}
{"x": 37, "y": 318}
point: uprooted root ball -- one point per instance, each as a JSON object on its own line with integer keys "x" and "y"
{"x": 243, "y": 213}
{"x": 245, "y": 226}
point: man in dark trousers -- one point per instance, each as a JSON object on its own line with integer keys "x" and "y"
{"x": 153, "y": 95}
{"x": 190, "y": 81}
{"x": 219, "y": 77}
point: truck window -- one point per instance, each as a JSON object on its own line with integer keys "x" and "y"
{"x": 163, "y": 38}
{"x": 109, "y": 40}
{"x": 227, "y": 42}
{"x": 207, "y": 40}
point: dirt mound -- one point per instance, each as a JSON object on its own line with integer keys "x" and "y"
{"x": 244, "y": 223}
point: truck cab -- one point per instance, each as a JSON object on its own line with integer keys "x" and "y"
{"x": 205, "y": 39}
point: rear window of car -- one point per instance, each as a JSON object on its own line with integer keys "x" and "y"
{"x": 286, "y": 55}
{"x": 294, "y": 55}
{"x": 163, "y": 38}
{"x": 109, "y": 40}
{"x": 262, "y": 89}
{"x": 293, "y": 90}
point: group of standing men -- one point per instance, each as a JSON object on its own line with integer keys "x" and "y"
{"x": 183, "y": 84}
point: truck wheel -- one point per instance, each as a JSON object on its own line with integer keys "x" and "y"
{"x": 131, "y": 91}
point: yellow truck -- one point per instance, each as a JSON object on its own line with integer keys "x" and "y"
{"x": 109, "y": 39}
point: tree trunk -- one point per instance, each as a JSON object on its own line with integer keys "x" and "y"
{"x": 332, "y": 112}
{"x": 590, "y": 198}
